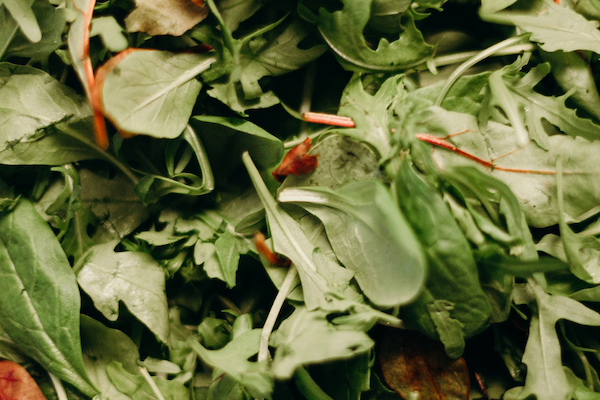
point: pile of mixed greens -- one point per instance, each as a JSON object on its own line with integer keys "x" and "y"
{"x": 137, "y": 144}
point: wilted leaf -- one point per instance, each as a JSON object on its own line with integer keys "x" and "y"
{"x": 158, "y": 17}
{"x": 17, "y": 384}
{"x": 413, "y": 364}
{"x": 296, "y": 162}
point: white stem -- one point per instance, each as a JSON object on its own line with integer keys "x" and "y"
{"x": 151, "y": 382}
{"x": 284, "y": 290}
{"x": 58, "y": 387}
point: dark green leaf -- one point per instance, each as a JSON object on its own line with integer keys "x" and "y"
{"x": 42, "y": 321}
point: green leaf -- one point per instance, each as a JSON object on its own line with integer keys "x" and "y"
{"x": 583, "y": 252}
{"x": 369, "y": 236}
{"x": 136, "y": 387}
{"x": 21, "y": 11}
{"x": 341, "y": 160}
{"x": 233, "y": 360}
{"x": 101, "y": 346}
{"x": 343, "y": 30}
{"x": 307, "y": 337}
{"x": 52, "y": 24}
{"x": 227, "y": 138}
{"x": 42, "y": 321}
{"x": 452, "y": 273}
{"x": 321, "y": 281}
{"x": 515, "y": 94}
{"x": 229, "y": 256}
{"x": 449, "y": 329}
{"x": 553, "y": 26}
{"x": 110, "y": 32}
{"x": 571, "y": 70}
{"x": 235, "y": 12}
{"x": 155, "y": 101}
{"x": 371, "y": 113}
{"x": 529, "y": 171}
{"x": 546, "y": 378}
{"x": 44, "y": 122}
{"x": 134, "y": 278}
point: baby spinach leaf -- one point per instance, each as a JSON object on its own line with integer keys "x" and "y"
{"x": 546, "y": 377}
{"x": 154, "y": 101}
{"x": 44, "y": 121}
{"x": 369, "y": 236}
{"x": 452, "y": 273}
{"x": 42, "y": 321}
{"x": 307, "y": 337}
{"x": 343, "y": 30}
{"x": 134, "y": 278}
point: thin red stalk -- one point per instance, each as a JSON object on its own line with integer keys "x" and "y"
{"x": 328, "y": 119}
{"x": 436, "y": 141}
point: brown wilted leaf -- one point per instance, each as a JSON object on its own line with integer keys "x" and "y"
{"x": 296, "y": 162}
{"x": 165, "y": 17}
{"x": 17, "y": 384}
{"x": 410, "y": 362}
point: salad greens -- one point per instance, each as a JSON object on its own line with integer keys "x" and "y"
{"x": 447, "y": 242}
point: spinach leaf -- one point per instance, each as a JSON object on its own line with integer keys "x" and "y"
{"x": 42, "y": 320}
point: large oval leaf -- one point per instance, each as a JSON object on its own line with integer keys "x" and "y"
{"x": 152, "y": 92}
{"x": 369, "y": 236}
{"x": 39, "y": 300}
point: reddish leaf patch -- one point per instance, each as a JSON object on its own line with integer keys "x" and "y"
{"x": 412, "y": 363}
{"x": 17, "y": 384}
{"x": 296, "y": 162}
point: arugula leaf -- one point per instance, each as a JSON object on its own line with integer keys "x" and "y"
{"x": 546, "y": 377}
{"x": 555, "y": 27}
{"x": 42, "y": 321}
{"x": 132, "y": 277}
{"x": 343, "y": 30}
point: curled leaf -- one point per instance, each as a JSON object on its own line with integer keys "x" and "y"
{"x": 297, "y": 162}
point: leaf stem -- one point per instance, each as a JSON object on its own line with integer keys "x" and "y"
{"x": 456, "y": 58}
{"x": 284, "y": 290}
{"x": 482, "y": 55}
{"x": 308, "y": 387}
{"x": 58, "y": 387}
{"x": 151, "y": 382}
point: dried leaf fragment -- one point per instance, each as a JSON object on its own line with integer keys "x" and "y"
{"x": 412, "y": 363}
{"x": 159, "y": 17}
{"x": 296, "y": 162}
{"x": 17, "y": 384}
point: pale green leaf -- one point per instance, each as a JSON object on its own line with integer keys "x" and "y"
{"x": 154, "y": 101}
{"x": 369, "y": 236}
{"x": 134, "y": 278}
{"x": 110, "y": 32}
{"x": 21, "y": 11}
{"x": 307, "y": 337}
